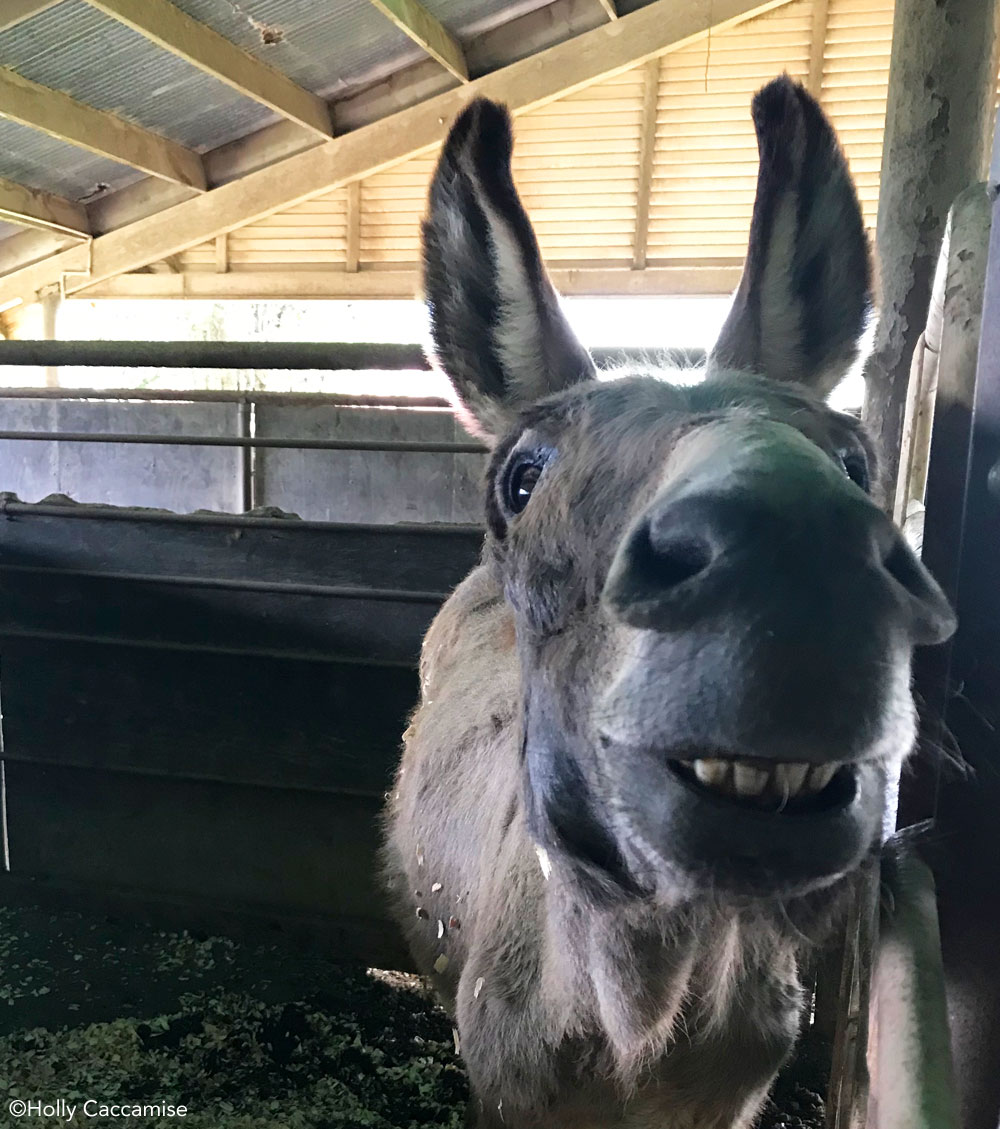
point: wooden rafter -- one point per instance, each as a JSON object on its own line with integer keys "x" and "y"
{"x": 537, "y": 30}
{"x": 168, "y": 27}
{"x": 608, "y": 50}
{"x": 647, "y": 149}
{"x": 304, "y": 284}
{"x": 16, "y": 11}
{"x": 415, "y": 21}
{"x": 610, "y": 7}
{"x": 30, "y": 207}
{"x": 63, "y": 117}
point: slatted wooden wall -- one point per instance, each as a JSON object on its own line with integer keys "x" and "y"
{"x": 578, "y": 160}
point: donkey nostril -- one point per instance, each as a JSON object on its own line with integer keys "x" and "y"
{"x": 903, "y": 567}
{"x": 670, "y": 561}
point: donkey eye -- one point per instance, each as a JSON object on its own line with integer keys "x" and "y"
{"x": 522, "y": 478}
{"x": 856, "y": 468}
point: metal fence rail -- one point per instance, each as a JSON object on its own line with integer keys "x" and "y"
{"x": 402, "y": 445}
{"x": 316, "y": 355}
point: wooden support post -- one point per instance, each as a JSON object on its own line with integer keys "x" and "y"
{"x": 942, "y": 83}
{"x": 353, "y": 225}
{"x": 647, "y": 150}
{"x": 222, "y": 253}
{"x": 50, "y": 301}
{"x": 610, "y": 7}
{"x": 817, "y": 46}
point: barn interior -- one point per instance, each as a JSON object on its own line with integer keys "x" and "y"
{"x": 234, "y": 494}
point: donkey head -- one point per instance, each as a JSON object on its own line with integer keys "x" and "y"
{"x": 714, "y": 621}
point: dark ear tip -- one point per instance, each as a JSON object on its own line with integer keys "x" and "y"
{"x": 777, "y": 105}
{"x": 484, "y": 128}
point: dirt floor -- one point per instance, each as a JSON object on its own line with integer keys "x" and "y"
{"x": 246, "y": 1036}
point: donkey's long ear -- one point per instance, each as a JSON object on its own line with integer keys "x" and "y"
{"x": 805, "y": 296}
{"x": 496, "y": 325}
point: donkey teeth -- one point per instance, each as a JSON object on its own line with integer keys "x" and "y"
{"x": 821, "y": 775}
{"x": 748, "y": 780}
{"x": 712, "y": 773}
{"x": 790, "y": 778}
{"x": 785, "y": 780}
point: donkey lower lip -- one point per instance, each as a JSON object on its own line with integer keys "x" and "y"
{"x": 794, "y": 787}
{"x": 751, "y": 844}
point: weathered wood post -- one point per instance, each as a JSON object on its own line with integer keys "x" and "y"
{"x": 942, "y": 83}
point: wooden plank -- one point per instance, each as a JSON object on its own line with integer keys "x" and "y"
{"x": 174, "y": 30}
{"x": 265, "y": 851}
{"x": 222, "y": 253}
{"x": 301, "y": 284}
{"x": 647, "y": 152}
{"x": 63, "y": 117}
{"x": 654, "y": 30}
{"x": 16, "y": 11}
{"x": 817, "y": 46}
{"x": 353, "y": 226}
{"x": 164, "y": 578}
{"x": 413, "y": 19}
{"x": 238, "y": 719}
{"x": 412, "y": 557}
{"x": 31, "y": 207}
{"x": 195, "y": 619}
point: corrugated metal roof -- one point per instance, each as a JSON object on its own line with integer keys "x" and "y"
{"x": 99, "y": 61}
{"x": 40, "y": 161}
{"x": 323, "y": 47}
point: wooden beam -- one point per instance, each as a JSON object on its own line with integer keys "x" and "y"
{"x": 817, "y": 46}
{"x": 32, "y": 246}
{"x": 610, "y": 7}
{"x": 221, "y": 253}
{"x": 16, "y": 11}
{"x": 30, "y": 207}
{"x": 537, "y": 30}
{"x": 168, "y": 27}
{"x": 414, "y": 20}
{"x": 64, "y": 118}
{"x": 669, "y": 281}
{"x": 353, "y": 225}
{"x": 608, "y": 50}
{"x": 647, "y": 150}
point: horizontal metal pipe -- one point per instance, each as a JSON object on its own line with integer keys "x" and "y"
{"x": 168, "y": 580}
{"x": 317, "y": 355}
{"x": 225, "y": 396}
{"x": 10, "y": 509}
{"x": 416, "y": 446}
